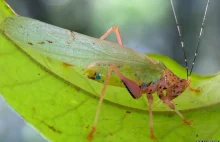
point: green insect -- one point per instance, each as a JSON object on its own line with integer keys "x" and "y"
{"x": 106, "y": 62}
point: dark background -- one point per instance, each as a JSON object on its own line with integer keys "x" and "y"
{"x": 146, "y": 26}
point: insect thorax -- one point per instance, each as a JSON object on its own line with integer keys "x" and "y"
{"x": 172, "y": 84}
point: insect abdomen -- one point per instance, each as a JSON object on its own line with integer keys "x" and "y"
{"x": 98, "y": 71}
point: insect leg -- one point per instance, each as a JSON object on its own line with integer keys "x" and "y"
{"x": 172, "y": 106}
{"x": 90, "y": 136}
{"x": 105, "y": 35}
{"x": 117, "y": 32}
{"x": 190, "y": 88}
{"x": 132, "y": 86}
{"x": 183, "y": 118}
{"x": 194, "y": 90}
{"x": 150, "y": 101}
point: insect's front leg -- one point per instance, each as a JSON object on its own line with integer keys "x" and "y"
{"x": 190, "y": 88}
{"x": 194, "y": 90}
{"x": 166, "y": 100}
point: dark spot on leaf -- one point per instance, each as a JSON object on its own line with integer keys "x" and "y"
{"x": 67, "y": 65}
{"x": 197, "y": 135}
{"x": 30, "y": 43}
{"x": 52, "y": 128}
{"x": 78, "y": 89}
{"x": 49, "y": 41}
{"x": 170, "y": 115}
{"x": 128, "y": 112}
{"x": 41, "y": 42}
{"x": 34, "y": 110}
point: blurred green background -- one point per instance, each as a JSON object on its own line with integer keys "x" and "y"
{"x": 146, "y": 26}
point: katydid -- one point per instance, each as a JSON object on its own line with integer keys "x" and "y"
{"x": 114, "y": 63}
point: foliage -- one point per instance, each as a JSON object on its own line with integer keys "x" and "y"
{"x": 63, "y": 110}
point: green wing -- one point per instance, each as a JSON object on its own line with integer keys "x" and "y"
{"x": 80, "y": 50}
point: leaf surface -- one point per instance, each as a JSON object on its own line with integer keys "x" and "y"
{"x": 61, "y": 104}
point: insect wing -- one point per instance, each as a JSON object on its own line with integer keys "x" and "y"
{"x": 80, "y": 50}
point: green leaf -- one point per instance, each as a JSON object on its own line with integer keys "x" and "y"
{"x": 60, "y": 102}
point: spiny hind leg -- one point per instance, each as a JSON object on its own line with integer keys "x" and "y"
{"x": 117, "y": 32}
{"x": 150, "y": 101}
{"x": 172, "y": 106}
{"x": 134, "y": 88}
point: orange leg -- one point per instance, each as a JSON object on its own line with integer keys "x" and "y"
{"x": 150, "y": 101}
{"x": 90, "y": 136}
{"x": 183, "y": 118}
{"x": 111, "y": 68}
{"x": 115, "y": 69}
{"x": 172, "y": 106}
{"x": 105, "y": 35}
{"x": 194, "y": 90}
{"x": 117, "y": 32}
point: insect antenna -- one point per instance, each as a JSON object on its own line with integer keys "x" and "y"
{"x": 180, "y": 36}
{"x": 181, "y": 40}
{"x": 200, "y": 35}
